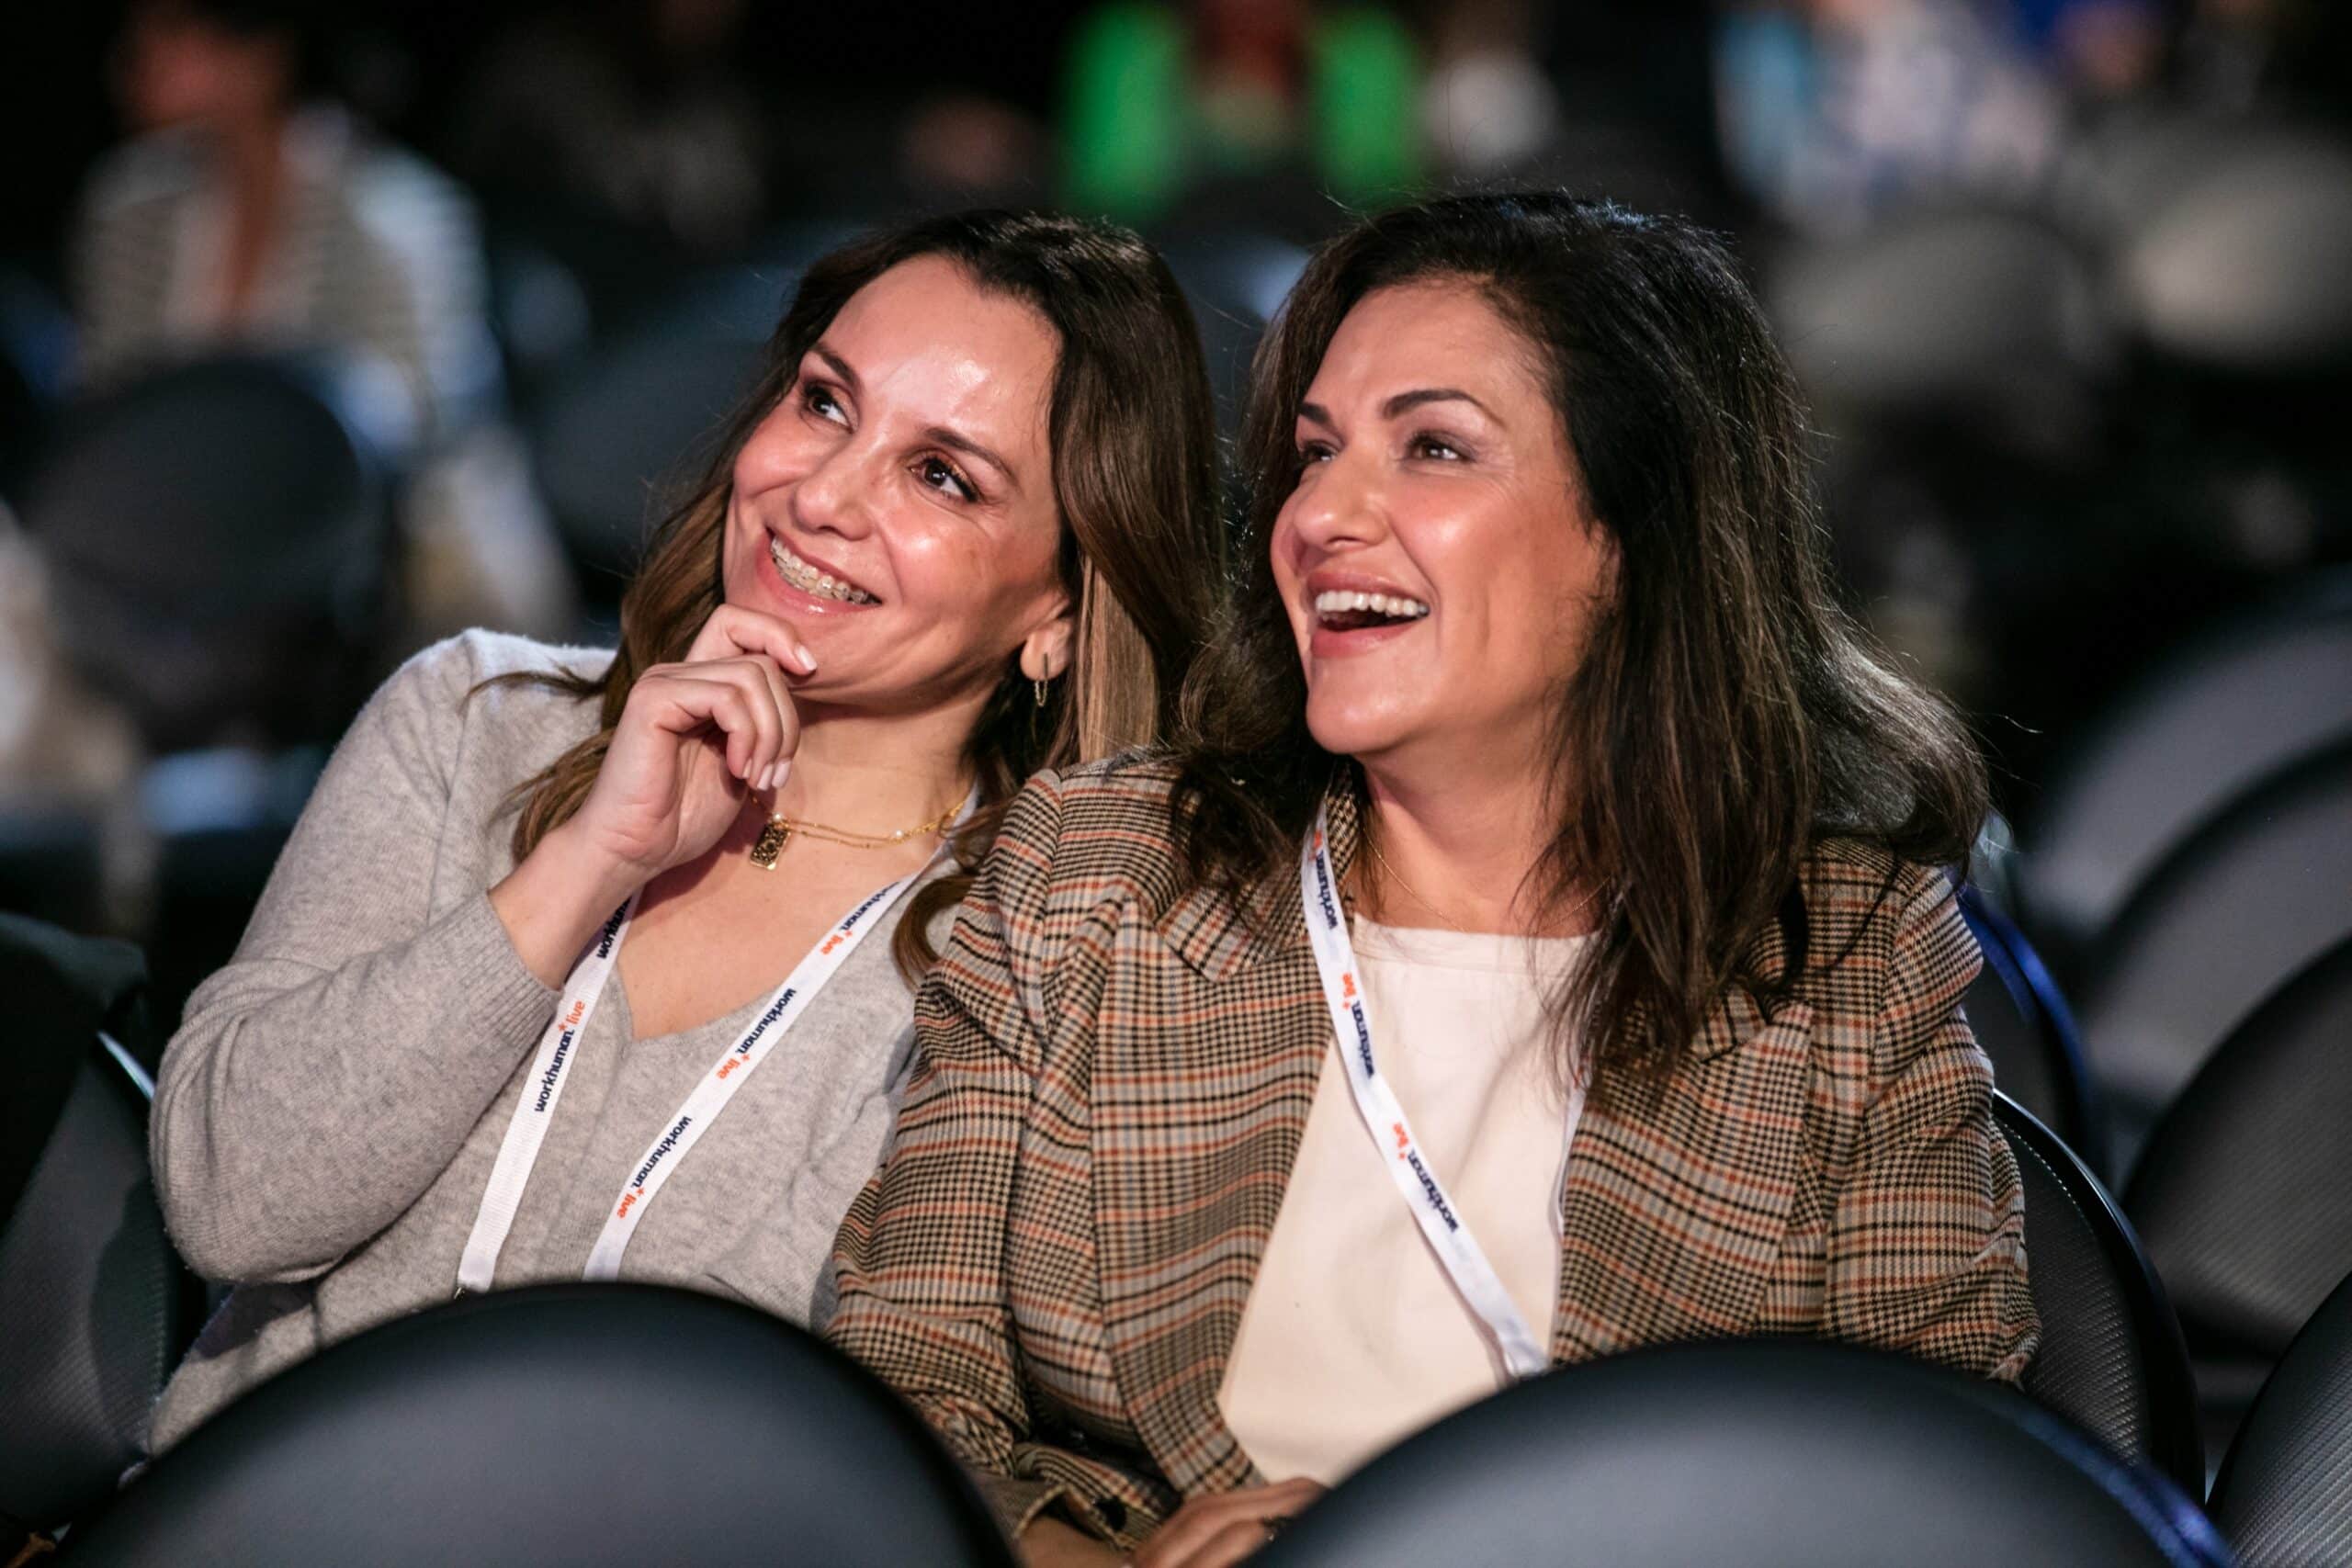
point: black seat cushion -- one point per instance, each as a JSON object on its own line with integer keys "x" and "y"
{"x": 2112, "y": 1357}
{"x": 2284, "y": 1497}
{"x": 585, "y": 1425}
{"x": 1763, "y": 1453}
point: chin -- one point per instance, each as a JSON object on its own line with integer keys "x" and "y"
{"x": 1348, "y": 730}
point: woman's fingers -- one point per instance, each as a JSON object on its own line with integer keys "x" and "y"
{"x": 732, "y": 696}
{"x": 733, "y": 631}
{"x": 1224, "y": 1526}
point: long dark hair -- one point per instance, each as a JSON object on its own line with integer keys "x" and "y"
{"x": 1134, "y": 440}
{"x": 1727, "y": 716}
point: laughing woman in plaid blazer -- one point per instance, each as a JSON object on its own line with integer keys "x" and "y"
{"x": 1539, "y": 762}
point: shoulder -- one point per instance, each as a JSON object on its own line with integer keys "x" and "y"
{"x": 1098, "y": 832}
{"x": 159, "y": 168}
{"x": 483, "y": 679}
{"x": 1889, "y": 951}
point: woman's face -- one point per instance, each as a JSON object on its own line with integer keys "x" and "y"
{"x": 1435, "y": 478}
{"x": 897, "y": 507}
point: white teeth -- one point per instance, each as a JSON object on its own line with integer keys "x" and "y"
{"x": 1338, "y": 602}
{"x": 809, "y": 580}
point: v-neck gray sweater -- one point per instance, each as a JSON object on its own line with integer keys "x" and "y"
{"x": 326, "y": 1119}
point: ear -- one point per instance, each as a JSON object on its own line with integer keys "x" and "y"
{"x": 1046, "y": 652}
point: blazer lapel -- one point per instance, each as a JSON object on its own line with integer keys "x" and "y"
{"x": 1204, "y": 1070}
{"x": 1675, "y": 1206}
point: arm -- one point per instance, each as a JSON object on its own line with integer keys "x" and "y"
{"x": 924, "y": 1299}
{"x": 1927, "y": 1245}
{"x": 325, "y": 1077}
{"x": 328, "y": 1076}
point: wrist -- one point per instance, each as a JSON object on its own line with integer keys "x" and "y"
{"x": 553, "y": 902}
{"x": 599, "y": 878}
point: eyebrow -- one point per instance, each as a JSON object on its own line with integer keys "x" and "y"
{"x": 1403, "y": 403}
{"x": 937, "y": 435}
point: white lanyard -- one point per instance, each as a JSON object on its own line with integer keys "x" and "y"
{"x": 550, "y": 1069}
{"x": 1384, "y": 1119}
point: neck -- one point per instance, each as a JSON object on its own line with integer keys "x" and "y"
{"x": 1457, "y": 847}
{"x": 875, "y": 773}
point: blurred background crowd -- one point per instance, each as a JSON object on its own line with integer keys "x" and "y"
{"x": 326, "y": 330}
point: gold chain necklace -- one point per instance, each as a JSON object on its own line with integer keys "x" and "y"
{"x": 781, "y": 830}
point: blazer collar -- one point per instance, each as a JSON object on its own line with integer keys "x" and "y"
{"x": 1214, "y": 933}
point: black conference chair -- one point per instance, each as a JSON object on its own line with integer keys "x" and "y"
{"x": 2284, "y": 1497}
{"x": 220, "y": 546}
{"x": 1979, "y": 316}
{"x": 1763, "y": 1453}
{"x": 2022, "y": 1022}
{"x": 2209, "y": 724}
{"x": 2244, "y": 1195}
{"x": 586, "y": 1425}
{"x": 95, "y": 1307}
{"x": 2228, "y": 918}
{"x": 616, "y": 435}
{"x": 2112, "y": 1360}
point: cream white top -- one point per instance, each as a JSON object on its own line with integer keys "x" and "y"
{"x": 1353, "y": 1336}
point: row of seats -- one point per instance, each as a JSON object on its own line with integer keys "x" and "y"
{"x": 622, "y": 1424}
{"x": 96, "y": 1307}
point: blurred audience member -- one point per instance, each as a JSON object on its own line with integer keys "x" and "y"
{"x": 634, "y": 110}
{"x": 1163, "y": 98}
{"x": 1835, "y": 110}
{"x": 65, "y": 751}
{"x": 250, "y": 211}
{"x": 1488, "y": 107}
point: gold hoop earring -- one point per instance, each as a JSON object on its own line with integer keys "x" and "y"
{"x": 1037, "y": 688}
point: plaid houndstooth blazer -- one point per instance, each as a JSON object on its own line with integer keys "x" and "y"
{"x": 1115, "y": 1075}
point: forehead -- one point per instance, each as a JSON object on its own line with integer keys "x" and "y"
{"x": 926, "y": 336}
{"x": 1428, "y": 334}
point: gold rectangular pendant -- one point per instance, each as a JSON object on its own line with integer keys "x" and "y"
{"x": 771, "y": 843}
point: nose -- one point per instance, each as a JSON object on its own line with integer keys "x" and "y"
{"x": 836, "y": 496}
{"x": 1339, "y": 506}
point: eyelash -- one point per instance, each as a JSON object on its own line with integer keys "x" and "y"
{"x": 1314, "y": 452}
{"x": 810, "y": 391}
{"x": 813, "y": 393}
{"x": 964, "y": 487}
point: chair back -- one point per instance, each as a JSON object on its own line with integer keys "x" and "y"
{"x": 95, "y": 1307}
{"x": 2024, "y": 1026}
{"x": 2245, "y": 1194}
{"x": 220, "y": 544}
{"x": 597, "y": 1426}
{"x": 2284, "y": 1496}
{"x": 2112, "y": 1359}
{"x": 2204, "y": 728}
{"x": 2239, "y": 909}
{"x": 1769, "y": 1453}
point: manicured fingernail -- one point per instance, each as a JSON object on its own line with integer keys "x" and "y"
{"x": 767, "y": 776}
{"x": 807, "y": 660}
{"x": 778, "y": 773}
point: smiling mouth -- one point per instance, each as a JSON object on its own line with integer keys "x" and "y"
{"x": 810, "y": 581}
{"x": 1340, "y": 611}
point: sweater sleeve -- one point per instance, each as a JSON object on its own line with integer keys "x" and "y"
{"x": 324, "y": 1079}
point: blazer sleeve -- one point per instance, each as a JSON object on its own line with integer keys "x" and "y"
{"x": 1926, "y": 1241}
{"x": 919, "y": 1262}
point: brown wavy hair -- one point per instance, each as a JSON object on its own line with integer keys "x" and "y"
{"x": 1727, "y": 716}
{"x": 1134, "y": 440}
